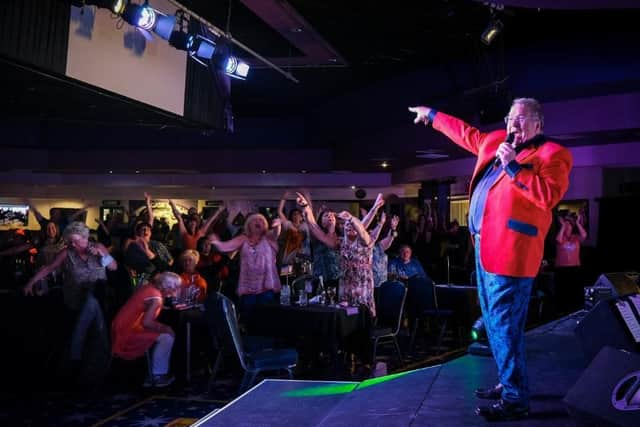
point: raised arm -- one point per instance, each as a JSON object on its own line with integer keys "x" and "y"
{"x": 355, "y": 222}
{"x": 45, "y": 271}
{"x": 228, "y": 246}
{"x": 35, "y": 211}
{"x": 274, "y": 232}
{"x": 330, "y": 239}
{"x": 580, "y": 225}
{"x": 147, "y": 199}
{"x": 74, "y": 216}
{"x": 103, "y": 226}
{"x": 18, "y": 249}
{"x": 204, "y": 227}
{"x": 368, "y": 218}
{"x": 386, "y": 242}
{"x": 375, "y": 233}
{"x": 281, "y": 215}
{"x": 563, "y": 226}
{"x": 178, "y": 217}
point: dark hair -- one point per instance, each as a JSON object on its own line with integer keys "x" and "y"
{"x": 294, "y": 210}
{"x": 140, "y": 226}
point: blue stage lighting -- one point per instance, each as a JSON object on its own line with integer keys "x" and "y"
{"x": 224, "y": 60}
{"x": 236, "y": 68}
{"x": 139, "y": 16}
{"x": 164, "y": 25}
{"x": 203, "y": 48}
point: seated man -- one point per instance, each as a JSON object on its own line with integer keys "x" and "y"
{"x": 404, "y": 267}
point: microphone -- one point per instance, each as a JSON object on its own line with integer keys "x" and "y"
{"x": 509, "y": 139}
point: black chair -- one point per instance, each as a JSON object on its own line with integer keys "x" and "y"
{"x": 390, "y": 309}
{"x": 256, "y": 361}
{"x": 423, "y": 304}
{"x": 214, "y": 317}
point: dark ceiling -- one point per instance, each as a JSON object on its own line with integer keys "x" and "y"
{"x": 596, "y": 52}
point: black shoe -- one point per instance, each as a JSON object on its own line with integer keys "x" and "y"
{"x": 503, "y": 411}
{"x": 493, "y": 393}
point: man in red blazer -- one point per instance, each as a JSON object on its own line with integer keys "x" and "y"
{"x": 518, "y": 179}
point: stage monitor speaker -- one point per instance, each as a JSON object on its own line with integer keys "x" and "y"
{"x": 604, "y": 325}
{"x": 621, "y": 283}
{"x": 607, "y": 393}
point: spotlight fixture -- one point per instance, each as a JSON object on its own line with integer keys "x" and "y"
{"x": 236, "y": 68}
{"x": 164, "y": 25}
{"x": 492, "y": 31}
{"x": 224, "y": 60}
{"x": 141, "y": 16}
{"x": 203, "y": 48}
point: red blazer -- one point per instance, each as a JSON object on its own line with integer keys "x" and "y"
{"x": 517, "y": 213}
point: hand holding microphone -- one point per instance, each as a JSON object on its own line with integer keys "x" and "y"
{"x": 506, "y": 151}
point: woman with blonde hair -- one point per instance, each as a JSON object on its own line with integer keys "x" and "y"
{"x": 190, "y": 277}
{"x": 135, "y": 328}
{"x": 259, "y": 280}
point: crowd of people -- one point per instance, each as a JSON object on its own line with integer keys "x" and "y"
{"x": 520, "y": 176}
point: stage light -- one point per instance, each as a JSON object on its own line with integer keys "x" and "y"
{"x": 224, "y": 60}
{"x": 164, "y": 25}
{"x": 203, "y": 48}
{"x": 139, "y": 16}
{"x": 236, "y": 68}
{"x": 492, "y": 31}
{"x": 181, "y": 40}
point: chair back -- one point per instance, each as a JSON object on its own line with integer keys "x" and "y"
{"x": 393, "y": 295}
{"x": 422, "y": 295}
{"x": 231, "y": 320}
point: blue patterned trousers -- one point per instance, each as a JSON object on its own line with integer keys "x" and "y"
{"x": 504, "y": 301}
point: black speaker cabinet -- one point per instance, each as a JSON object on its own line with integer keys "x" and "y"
{"x": 603, "y": 326}
{"x": 608, "y": 391}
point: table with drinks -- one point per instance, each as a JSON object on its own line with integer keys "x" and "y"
{"x": 317, "y": 317}
{"x": 181, "y": 310}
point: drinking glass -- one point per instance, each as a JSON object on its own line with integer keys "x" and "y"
{"x": 331, "y": 293}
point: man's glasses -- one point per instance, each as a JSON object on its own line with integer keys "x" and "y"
{"x": 519, "y": 119}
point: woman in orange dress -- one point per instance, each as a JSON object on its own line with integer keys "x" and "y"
{"x": 135, "y": 329}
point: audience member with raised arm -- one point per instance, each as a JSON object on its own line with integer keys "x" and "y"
{"x": 356, "y": 256}
{"x": 295, "y": 237}
{"x": 259, "y": 280}
{"x": 83, "y": 264}
{"x": 519, "y": 177}
{"x": 190, "y": 230}
{"x": 568, "y": 280}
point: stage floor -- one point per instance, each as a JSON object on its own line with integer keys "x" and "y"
{"x": 441, "y": 395}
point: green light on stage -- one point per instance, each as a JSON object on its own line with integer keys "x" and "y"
{"x": 474, "y": 335}
{"x": 375, "y": 381}
{"x": 323, "y": 390}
